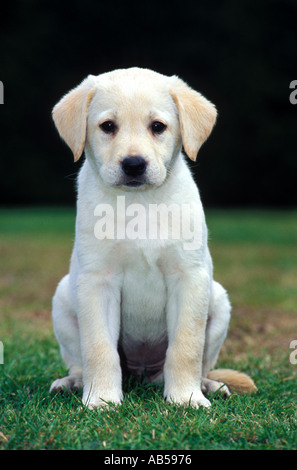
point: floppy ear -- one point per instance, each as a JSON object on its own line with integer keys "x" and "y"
{"x": 197, "y": 116}
{"x": 70, "y": 115}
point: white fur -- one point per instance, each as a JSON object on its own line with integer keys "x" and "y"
{"x": 137, "y": 290}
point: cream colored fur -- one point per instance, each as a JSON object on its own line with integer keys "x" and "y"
{"x": 120, "y": 291}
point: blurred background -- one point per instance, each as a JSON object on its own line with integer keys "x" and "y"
{"x": 240, "y": 55}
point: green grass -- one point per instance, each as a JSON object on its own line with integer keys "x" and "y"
{"x": 255, "y": 256}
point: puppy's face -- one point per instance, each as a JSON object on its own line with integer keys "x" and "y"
{"x": 133, "y": 132}
{"x": 132, "y": 123}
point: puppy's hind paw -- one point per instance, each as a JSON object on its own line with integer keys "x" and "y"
{"x": 68, "y": 383}
{"x": 209, "y": 385}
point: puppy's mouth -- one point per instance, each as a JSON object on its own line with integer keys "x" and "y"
{"x": 133, "y": 182}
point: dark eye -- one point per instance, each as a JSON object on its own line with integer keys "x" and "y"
{"x": 158, "y": 127}
{"x": 108, "y": 127}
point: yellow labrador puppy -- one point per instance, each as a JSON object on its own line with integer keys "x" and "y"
{"x": 140, "y": 295}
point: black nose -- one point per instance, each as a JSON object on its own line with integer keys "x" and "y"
{"x": 134, "y": 166}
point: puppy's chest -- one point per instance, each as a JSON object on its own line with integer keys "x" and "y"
{"x": 143, "y": 338}
{"x": 143, "y": 301}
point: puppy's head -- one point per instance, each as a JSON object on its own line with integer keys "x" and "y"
{"x": 132, "y": 123}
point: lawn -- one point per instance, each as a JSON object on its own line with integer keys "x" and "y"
{"x": 255, "y": 257}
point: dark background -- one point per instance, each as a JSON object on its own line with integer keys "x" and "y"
{"x": 240, "y": 54}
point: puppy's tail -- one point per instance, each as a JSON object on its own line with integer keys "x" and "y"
{"x": 235, "y": 381}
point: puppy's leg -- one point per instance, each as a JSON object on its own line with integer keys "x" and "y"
{"x": 66, "y": 331}
{"x": 216, "y": 331}
{"x": 186, "y": 316}
{"x": 99, "y": 327}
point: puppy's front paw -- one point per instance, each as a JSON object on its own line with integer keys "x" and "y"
{"x": 195, "y": 399}
{"x": 100, "y": 399}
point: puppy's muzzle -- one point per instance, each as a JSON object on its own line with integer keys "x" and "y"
{"x": 134, "y": 166}
{"x": 134, "y": 170}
